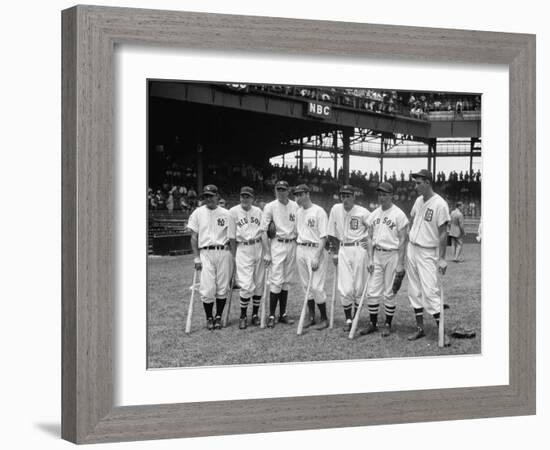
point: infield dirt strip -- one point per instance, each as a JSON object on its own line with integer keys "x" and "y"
{"x": 170, "y": 277}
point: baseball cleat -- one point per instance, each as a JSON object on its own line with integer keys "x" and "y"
{"x": 417, "y": 335}
{"x": 271, "y": 322}
{"x": 284, "y": 319}
{"x": 210, "y": 324}
{"x": 386, "y": 331}
{"x": 310, "y": 323}
{"x": 218, "y": 323}
{"x": 322, "y": 325}
{"x": 347, "y": 326}
{"x": 371, "y": 328}
{"x": 242, "y": 323}
{"x": 255, "y": 321}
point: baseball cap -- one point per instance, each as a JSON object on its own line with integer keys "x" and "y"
{"x": 247, "y": 190}
{"x": 424, "y": 173}
{"x": 301, "y": 188}
{"x": 281, "y": 184}
{"x": 210, "y": 189}
{"x": 347, "y": 189}
{"x": 385, "y": 187}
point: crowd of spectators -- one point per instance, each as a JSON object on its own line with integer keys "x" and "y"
{"x": 414, "y": 104}
{"x": 179, "y": 195}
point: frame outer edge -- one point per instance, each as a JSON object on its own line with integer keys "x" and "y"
{"x": 88, "y": 184}
{"x": 523, "y": 226}
{"x": 68, "y": 201}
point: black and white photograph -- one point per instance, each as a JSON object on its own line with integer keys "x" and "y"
{"x": 292, "y": 223}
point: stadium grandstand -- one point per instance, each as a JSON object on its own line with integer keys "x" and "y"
{"x": 242, "y": 134}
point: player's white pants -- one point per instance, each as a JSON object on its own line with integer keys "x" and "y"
{"x": 217, "y": 268}
{"x": 283, "y": 265}
{"x": 250, "y": 275}
{"x": 304, "y": 256}
{"x": 351, "y": 273}
{"x": 422, "y": 278}
{"x": 381, "y": 280}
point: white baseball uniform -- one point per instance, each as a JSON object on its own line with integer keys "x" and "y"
{"x": 249, "y": 262}
{"x": 311, "y": 224}
{"x": 283, "y": 246}
{"x": 349, "y": 227}
{"x": 386, "y": 226}
{"x": 423, "y": 252}
{"x": 214, "y": 228}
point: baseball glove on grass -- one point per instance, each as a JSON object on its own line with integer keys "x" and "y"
{"x": 463, "y": 333}
{"x": 398, "y": 279}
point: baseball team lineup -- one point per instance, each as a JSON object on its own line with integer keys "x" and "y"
{"x": 370, "y": 252}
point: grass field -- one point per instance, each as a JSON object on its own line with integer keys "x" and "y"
{"x": 168, "y": 345}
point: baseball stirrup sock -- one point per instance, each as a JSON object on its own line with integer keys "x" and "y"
{"x": 256, "y": 304}
{"x": 220, "y": 304}
{"x": 373, "y": 313}
{"x": 347, "y": 312}
{"x": 419, "y": 315}
{"x": 244, "y": 305}
{"x": 282, "y": 303}
{"x": 311, "y": 308}
{"x": 323, "y": 310}
{"x": 273, "y": 299}
{"x": 389, "y": 311}
{"x": 208, "y": 307}
{"x": 355, "y": 308}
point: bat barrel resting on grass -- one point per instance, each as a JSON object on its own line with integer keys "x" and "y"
{"x": 193, "y": 288}
{"x": 358, "y": 312}
{"x": 441, "y": 331}
{"x": 263, "y": 304}
{"x": 304, "y": 307}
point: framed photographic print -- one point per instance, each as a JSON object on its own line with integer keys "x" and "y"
{"x": 241, "y": 197}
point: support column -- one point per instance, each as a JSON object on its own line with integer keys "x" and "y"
{"x": 335, "y": 145}
{"x": 200, "y": 168}
{"x": 472, "y": 145}
{"x": 381, "y": 158}
{"x": 429, "y": 156}
{"x": 345, "y": 157}
{"x": 434, "y": 153}
{"x": 301, "y": 161}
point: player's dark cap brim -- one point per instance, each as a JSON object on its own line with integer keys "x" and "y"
{"x": 385, "y": 187}
{"x": 424, "y": 174}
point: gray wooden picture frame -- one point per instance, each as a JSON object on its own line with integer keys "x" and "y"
{"x": 89, "y": 37}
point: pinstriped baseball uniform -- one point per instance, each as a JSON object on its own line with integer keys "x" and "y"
{"x": 214, "y": 228}
{"x": 283, "y": 246}
{"x": 311, "y": 225}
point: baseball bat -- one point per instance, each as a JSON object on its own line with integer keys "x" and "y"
{"x": 225, "y": 319}
{"x": 263, "y": 305}
{"x": 358, "y": 311}
{"x": 441, "y": 332}
{"x": 304, "y": 306}
{"x": 190, "y": 309}
{"x": 333, "y": 300}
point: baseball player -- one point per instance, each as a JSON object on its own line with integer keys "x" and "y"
{"x": 250, "y": 267}
{"x": 347, "y": 227}
{"x": 387, "y": 232}
{"x": 457, "y": 232}
{"x": 426, "y": 251}
{"x": 213, "y": 244}
{"x": 311, "y": 255}
{"x": 280, "y": 253}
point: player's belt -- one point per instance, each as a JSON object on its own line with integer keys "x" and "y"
{"x": 286, "y": 241}
{"x": 308, "y": 244}
{"x": 250, "y": 242}
{"x": 421, "y": 246}
{"x": 380, "y": 249}
{"x": 215, "y": 247}
{"x": 350, "y": 244}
